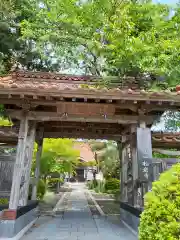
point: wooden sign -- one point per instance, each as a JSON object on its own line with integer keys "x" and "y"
{"x": 144, "y": 153}
{"x": 86, "y": 109}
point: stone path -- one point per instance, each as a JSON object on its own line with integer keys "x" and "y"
{"x": 77, "y": 223}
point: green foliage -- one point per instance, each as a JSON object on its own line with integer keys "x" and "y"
{"x": 58, "y": 156}
{"x": 5, "y": 122}
{"x": 41, "y": 189}
{"x": 112, "y": 184}
{"x": 96, "y": 185}
{"x": 121, "y": 38}
{"x": 87, "y": 164}
{"x": 100, "y": 186}
{"x": 92, "y": 184}
{"x": 161, "y": 217}
{"x": 108, "y": 157}
{"x": 172, "y": 121}
{"x": 4, "y": 201}
{"x": 52, "y": 182}
{"x": 14, "y": 50}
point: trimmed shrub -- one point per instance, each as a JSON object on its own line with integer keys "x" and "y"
{"x": 4, "y": 201}
{"x": 112, "y": 184}
{"x": 161, "y": 217}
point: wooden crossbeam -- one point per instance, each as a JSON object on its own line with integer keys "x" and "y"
{"x": 49, "y": 116}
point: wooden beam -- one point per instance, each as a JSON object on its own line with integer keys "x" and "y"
{"x": 166, "y": 145}
{"x": 81, "y": 135}
{"x": 144, "y": 154}
{"x": 38, "y": 158}
{"x": 135, "y": 171}
{"x": 142, "y": 124}
{"x": 94, "y": 94}
{"x": 49, "y": 116}
{"x": 27, "y": 167}
{"x": 18, "y": 166}
{"x": 124, "y": 197}
{"x": 169, "y": 161}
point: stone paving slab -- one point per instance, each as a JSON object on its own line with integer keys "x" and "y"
{"x": 77, "y": 223}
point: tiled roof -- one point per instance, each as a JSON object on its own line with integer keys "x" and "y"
{"x": 50, "y": 83}
{"x": 86, "y": 153}
{"x": 166, "y": 137}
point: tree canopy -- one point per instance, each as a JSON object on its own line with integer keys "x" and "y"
{"x": 58, "y": 156}
{"x": 108, "y": 157}
{"x": 102, "y": 37}
{"x": 14, "y": 50}
{"x": 110, "y": 37}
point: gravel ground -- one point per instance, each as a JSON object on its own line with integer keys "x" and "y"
{"x": 102, "y": 196}
{"x": 107, "y": 202}
{"x": 92, "y": 206}
{"x": 109, "y": 207}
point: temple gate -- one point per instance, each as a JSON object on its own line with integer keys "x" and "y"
{"x": 48, "y": 105}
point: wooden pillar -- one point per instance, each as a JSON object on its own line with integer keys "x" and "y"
{"x": 37, "y": 169}
{"x": 19, "y": 163}
{"x": 119, "y": 148}
{"x": 27, "y": 164}
{"x": 135, "y": 171}
{"x": 123, "y": 171}
{"x": 144, "y": 154}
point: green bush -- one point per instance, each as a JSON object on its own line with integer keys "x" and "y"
{"x": 52, "y": 182}
{"x": 41, "y": 190}
{"x": 161, "y": 217}
{"x": 100, "y": 187}
{"x": 112, "y": 184}
{"x": 4, "y": 201}
{"x": 92, "y": 184}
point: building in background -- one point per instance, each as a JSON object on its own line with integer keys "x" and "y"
{"x": 87, "y": 161}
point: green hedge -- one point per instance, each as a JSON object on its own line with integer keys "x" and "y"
{"x": 161, "y": 217}
{"x": 4, "y": 201}
{"x": 112, "y": 184}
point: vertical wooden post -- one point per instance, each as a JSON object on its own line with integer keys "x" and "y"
{"x": 18, "y": 166}
{"x": 144, "y": 154}
{"x": 37, "y": 170}
{"x": 119, "y": 147}
{"x": 27, "y": 164}
{"x": 124, "y": 171}
{"x": 142, "y": 124}
{"x": 134, "y": 165}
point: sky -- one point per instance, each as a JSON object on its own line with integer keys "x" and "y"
{"x": 171, "y": 2}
